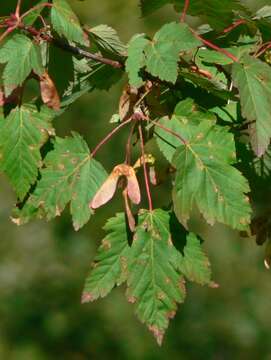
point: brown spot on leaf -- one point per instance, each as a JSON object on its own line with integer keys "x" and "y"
{"x": 132, "y": 299}
{"x": 16, "y": 221}
{"x": 171, "y": 314}
{"x": 61, "y": 166}
{"x": 87, "y": 297}
{"x": 158, "y": 333}
{"x": 106, "y": 244}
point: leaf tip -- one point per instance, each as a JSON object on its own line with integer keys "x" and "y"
{"x": 87, "y": 297}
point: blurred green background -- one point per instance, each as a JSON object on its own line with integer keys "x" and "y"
{"x": 43, "y": 266}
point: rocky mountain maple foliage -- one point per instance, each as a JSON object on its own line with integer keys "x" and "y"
{"x": 200, "y": 95}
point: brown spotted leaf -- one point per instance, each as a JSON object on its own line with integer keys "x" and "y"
{"x": 49, "y": 92}
{"x": 154, "y": 284}
{"x": 110, "y": 265}
{"x": 206, "y": 178}
{"x": 70, "y": 175}
{"x": 252, "y": 77}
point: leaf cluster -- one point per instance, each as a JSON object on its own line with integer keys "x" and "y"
{"x": 200, "y": 95}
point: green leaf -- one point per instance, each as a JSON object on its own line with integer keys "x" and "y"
{"x": 70, "y": 175}
{"x": 206, "y": 178}
{"x": 162, "y": 54}
{"x": 186, "y": 111}
{"x": 263, "y": 12}
{"x": 136, "y": 59}
{"x": 107, "y": 40}
{"x": 66, "y": 23}
{"x": 154, "y": 284}
{"x": 194, "y": 265}
{"x": 252, "y": 77}
{"x": 210, "y": 11}
{"x": 21, "y": 56}
{"x": 149, "y": 6}
{"x": 33, "y": 16}
{"x": 110, "y": 265}
{"x": 91, "y": 76}
{"x": 22, "y": 134}
{"x": 213, "y": 86}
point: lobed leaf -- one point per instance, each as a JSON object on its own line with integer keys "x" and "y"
{"x": 206, "y": 178}
{"x": 107, "y": 40}
{"x": 70, "y": 175}
{"x": 21, "y": 56}
{"x": 252, "y": 77}
{"x": 154, "y": 284}
{"x": 194, "y": 265}
{"x": 209, "y": 11}
{"x": 110, "y": 265}
{"x": 66, "y": 23}
{"x": 22, "y": 134}
{"x": 162, "y": 54}
{"x": 186, "y": 111}
{"x": 136, "y": 59}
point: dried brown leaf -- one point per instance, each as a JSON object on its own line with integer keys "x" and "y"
{"x": 49, "y": 92}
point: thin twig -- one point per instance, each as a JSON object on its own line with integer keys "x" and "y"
{"x": 169, "y": 131}
{"x": 18, "y": 9}
{"x": 37, "y": 7}
{"x": 234, "y": 25}
{"x": 7, "y": 32}
{"x": 263, "y": 49}
{"x": 70, "y": 48}
{"x": 186, "y": 6}
{"x": 146, "y": 177}
{"x": 109, "y": 136}
{"x": 86, "y": 54}
{"x": 215, "y": 47}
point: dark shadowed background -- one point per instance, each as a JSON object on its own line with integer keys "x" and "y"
{"x": 43, "y": 266}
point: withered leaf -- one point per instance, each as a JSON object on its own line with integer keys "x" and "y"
{"x": 127, "y": 101}
{"x": 49, "y": 92}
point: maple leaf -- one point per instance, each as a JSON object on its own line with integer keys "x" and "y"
{"x": 22, "y": 134}
{"x": 110, "y": 265}
{"x": 70, "y": 175}
{"x": 154, "y": 284}
{"x": 66, "y": 23}
{"x": 253, "y": 79}
{"x": 21, "y": 56}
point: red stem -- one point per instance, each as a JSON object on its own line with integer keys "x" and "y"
{"x": 263, "y": 49}
{"x": 35, "y": 8}
{"x": 18, "y": 9}
{"x": 169, "y": 131}
{"x": 186, "y": 6}
{"x": 145, "y": 168}
{"x": 109, "y": 136}
{"x": 7, "y": 32}
{"x": 215, "y": 47}
{"x": 234, "y": 25}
